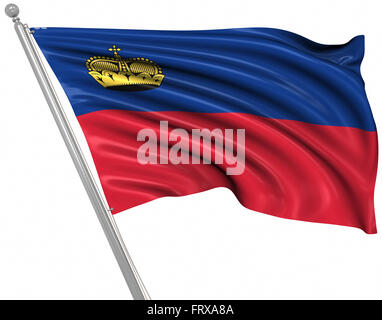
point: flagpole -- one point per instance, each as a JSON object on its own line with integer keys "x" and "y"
{"x": 103, "y": 212}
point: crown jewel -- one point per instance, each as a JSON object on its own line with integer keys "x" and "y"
{"x": 131, "y": 74}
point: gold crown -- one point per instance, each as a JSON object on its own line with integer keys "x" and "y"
{"x": 132, "y": 74}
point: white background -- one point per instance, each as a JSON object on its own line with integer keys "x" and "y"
{"x": 204, "y": 246}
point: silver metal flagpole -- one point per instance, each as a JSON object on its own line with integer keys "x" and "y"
{"x": 104, "y": 215}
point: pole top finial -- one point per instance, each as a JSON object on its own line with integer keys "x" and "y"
{"x": 12, "y": 10}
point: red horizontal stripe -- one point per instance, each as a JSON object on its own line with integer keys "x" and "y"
{"x": 293, "y": 170}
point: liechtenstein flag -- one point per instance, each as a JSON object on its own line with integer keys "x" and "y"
{"x": 282, "y": 121}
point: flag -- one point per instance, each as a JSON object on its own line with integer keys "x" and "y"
{"x": 280, "y": 120}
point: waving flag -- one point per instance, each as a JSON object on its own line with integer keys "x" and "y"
{"x": 280, "y": 120}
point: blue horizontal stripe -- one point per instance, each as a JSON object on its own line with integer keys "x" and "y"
{"x": 265, "y": 72}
